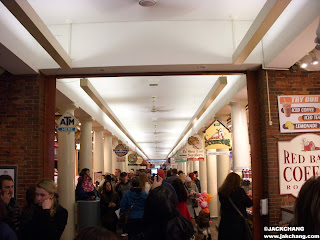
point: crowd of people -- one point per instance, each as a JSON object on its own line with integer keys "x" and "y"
{"x": 165, "y": 206}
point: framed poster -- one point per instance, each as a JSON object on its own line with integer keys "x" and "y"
{"x": 11, "y": 171}
{"x": 299, "y": 113}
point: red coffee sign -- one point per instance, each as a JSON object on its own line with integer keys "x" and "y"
{"x": 299, "y": 159}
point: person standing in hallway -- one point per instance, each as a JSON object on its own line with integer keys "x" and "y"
{"x": 12, "y": 206}
{"x": 197, "y": 181}
{"x": 232, "y": 225}
{"x": 117, "y": 173}
{"x": 193, "y": 193}
{"x": 6, "y": 232}
{"x": 85, "y": 189}
{"x": 124, "y": 185}
{"x": 49, "y": 217}
{"x": 109, "y": 203}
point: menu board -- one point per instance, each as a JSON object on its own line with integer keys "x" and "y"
{"x": 299, "y": 113}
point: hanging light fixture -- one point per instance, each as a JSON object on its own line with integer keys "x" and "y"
{"x": 147, "y": 3}
{"x": 303, "y": 63}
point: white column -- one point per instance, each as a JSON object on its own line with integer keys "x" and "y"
{"x": 108, "y": 153}
{"x": 240, "y": 138}
{"x": 223, "y": 169}
{"x": 114, "y": 156}
{"x": 66, "y": 174}
{"x": 85, "y": 159}
{"x": 196, "y": 166}
{"x": 212, "y": 183}
{"x": 98, "y": 155}
{"x": 184, "y": 167}
{"x": 203, "y": 170}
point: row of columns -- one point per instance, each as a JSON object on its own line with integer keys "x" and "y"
{"x": 212, "y": 171}
{"x": 104, "y": 161}
{"x": 215, "y": 167}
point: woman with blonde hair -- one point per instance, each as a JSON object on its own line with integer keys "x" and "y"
{"x": 49, "y": 217}
{"x": 182, "y": 177}
{"x": 144, "y": 182}
{"x": 231, "y": 195}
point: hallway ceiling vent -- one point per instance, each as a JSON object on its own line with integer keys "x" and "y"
{"x": 147, "y": 3}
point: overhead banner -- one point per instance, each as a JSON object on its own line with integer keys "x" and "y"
{"x": 299, "y": 159}
{"x": 217, "y": 136}
{"x": 195, "y": 149}
{"x": 299, "y": 113}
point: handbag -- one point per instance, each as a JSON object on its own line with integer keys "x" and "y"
{"x": 123, "y": 218}
{"x": 247, "y": 228}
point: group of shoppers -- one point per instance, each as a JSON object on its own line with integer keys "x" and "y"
{"x": 42, "y": 218}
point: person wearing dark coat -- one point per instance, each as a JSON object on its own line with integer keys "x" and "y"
{"x": 232, "y": 225}
{"x": 49, "y": 218}
{"x": 109, "y": 203}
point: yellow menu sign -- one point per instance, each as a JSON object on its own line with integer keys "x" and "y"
{"x": 217, "y": 136}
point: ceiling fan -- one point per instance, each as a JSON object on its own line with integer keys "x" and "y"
{"x": 155, "y": 109}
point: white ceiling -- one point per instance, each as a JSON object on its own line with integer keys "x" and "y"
{"x": 119, "y": 36}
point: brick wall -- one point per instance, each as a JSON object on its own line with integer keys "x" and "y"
{"x": 280, "y": 83}
{"x": 21, "y": 128}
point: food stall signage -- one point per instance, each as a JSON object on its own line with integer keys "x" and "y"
{"x": 299, "y": 113}
{"x": 299, "y": 159}
{"x": 217, "y": 136}
{"x": 195, "y": 149}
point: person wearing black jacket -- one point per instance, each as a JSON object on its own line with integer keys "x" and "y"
{"x": 232, "y": 225}
{"x": 109, "y": 203}
{"x": 49, "y": 218}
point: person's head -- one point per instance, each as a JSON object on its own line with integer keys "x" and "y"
{"x": 179, "y": 172}
{"x": 135, "y": 182}
{"x": 85, "y": 171}
{"x": 188, "y": 181}
{"x": 143, "y": 179}
{"x": 108, "y": 178}
{"x": 196, "y": 174}
{"x": 161, "y": 174}
{"x": 191, "y": 175}
{"x": 107, "y": 187}
{"x": 95, "y": 233}
{"x": 169, "y": 173}
{"x": 182, "y": 177}
{"x": 160, "y": 206}
{"x": 124, "y": 177}
{"x": 46, "y": 189}
{"x": 31, "y": 195}
{"x": 231, "y": 183}
{"x": 174, "y": 172}
{"x": 180, "y": 190}
{"x": 6, "y": 185}
{"x": 117, "y": 173}
{"x": 307, "y": 207}
{"x": 131, "y": 174}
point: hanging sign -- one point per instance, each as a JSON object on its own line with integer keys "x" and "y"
{"x": 132, "y": 158}
{"x": 299, "y": 113}
{"x": 181, "y": 155}
{"x": 217, "y": 136}
{"x": 299, "y": 159}
{"x": 121, "y": 150}
{"x": 67, "y": 123}
{"x": 195, "y": 150}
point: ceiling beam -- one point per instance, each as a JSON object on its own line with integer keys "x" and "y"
{"x": 215, "y": 91}
{"x": 95, "y": 96}
{"x": 27, "y": 16}
{"x": 261, "y": 25}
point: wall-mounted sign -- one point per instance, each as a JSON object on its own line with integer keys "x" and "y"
{"x": 299, "y": 159}
{"x": 132, "y": 158}
{"x": 299, "y": 113}
{"x": 121, "y": 150}
{"x": 217, "y": 136}
{"x": 195, "y": 149}
{"x": 181, "y": 155}
{"x": 67, "y": 123}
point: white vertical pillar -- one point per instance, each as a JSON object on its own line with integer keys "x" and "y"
{"x": 240, "y": 138}
{"x": 98, "y": 155}
{"x": 108, "y": 153}
{"x": 66, "y": 174}
{"x": 184, "y": 167}
{"x": 203, "y": 169}
{"x": 223, "y": 169}
{"x": 114, "y": 156}
{"x": 85, "y": 160}
{"x": 212, "y": 183}
{"x": 195, "y": 166}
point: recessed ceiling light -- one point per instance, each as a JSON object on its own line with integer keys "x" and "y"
{"x": 147, "y": 3}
